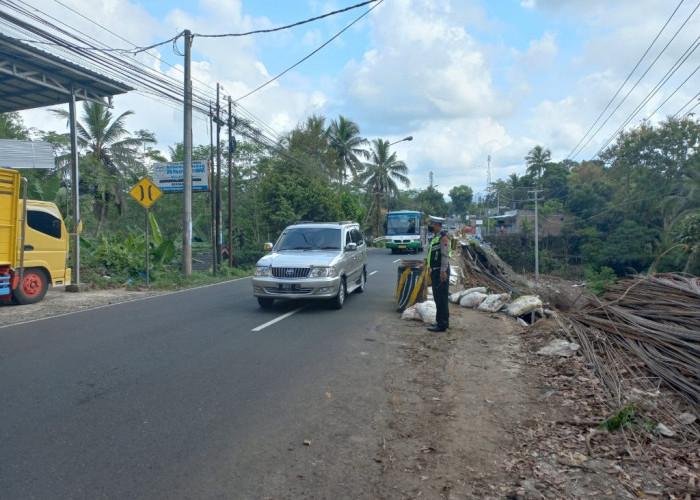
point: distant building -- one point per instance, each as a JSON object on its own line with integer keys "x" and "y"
{"x": 515, "y": 221}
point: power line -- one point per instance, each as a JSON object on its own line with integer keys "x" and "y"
{"x": 144, "y": 78}
{"x": 289, "y": 25}
{"x": 574, "y": 151}
{"x": 652, "y": 93}
{"x": 311, "y": 54}
{"x": 257, "y": 31}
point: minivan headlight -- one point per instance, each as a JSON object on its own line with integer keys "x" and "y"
{"x": 263, "y": 271}
{"x": 322, "y": 272}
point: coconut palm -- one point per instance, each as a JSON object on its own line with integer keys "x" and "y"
{"x": 536, "y": 160}
{"x": 382, "y": 172}
{"x": 345, "y": 139}
{"x": 110, "y": 156}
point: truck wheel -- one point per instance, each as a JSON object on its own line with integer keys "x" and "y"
{"x": 339, "y": 300}
{"x": 265, "y": 302}
{"x": 32, "y": 288}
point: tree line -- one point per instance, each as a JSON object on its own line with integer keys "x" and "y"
{"x": 634, "y": 208}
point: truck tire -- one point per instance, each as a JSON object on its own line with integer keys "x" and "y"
{"x": 32, "y": 288}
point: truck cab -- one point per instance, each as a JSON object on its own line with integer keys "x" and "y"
{"x": 33, "y": 246}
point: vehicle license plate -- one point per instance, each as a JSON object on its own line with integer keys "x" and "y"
{"x": 402, "y": 246}
{"x": 289, "y": 287}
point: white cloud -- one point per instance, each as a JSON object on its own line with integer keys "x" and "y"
{"x": 450, "y": 73}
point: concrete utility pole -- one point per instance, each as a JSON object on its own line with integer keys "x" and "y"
{"x": 187, "y": 164}
{"x": 231, "y": 149}
{"x": 219, "y": 235}
{"x": 75, "y": 180}
{"x": 212, "y": 191}
{"x": 537, "y": 241}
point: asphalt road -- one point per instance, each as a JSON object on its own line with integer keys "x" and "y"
{"x": 197, "y": 394}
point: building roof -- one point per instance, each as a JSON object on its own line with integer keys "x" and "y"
{"x": 31, "y": 78}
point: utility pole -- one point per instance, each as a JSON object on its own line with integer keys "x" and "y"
{"x": 537, "y": 242}
{"x": 219, "y": 236}
{"x": 212, "y": 192}
{"x": 231, "y": 149}
{"x": 187, "y": 164}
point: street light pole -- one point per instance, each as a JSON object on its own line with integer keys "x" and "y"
{"x": 379, "y": 192}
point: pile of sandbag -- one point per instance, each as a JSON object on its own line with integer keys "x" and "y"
{"x": 421, "y": 311}
{"x": 479, "y": 298}
{"x": 476, "y": 295}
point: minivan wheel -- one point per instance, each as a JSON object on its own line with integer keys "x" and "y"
{"x": 363, "y": 279}
{"x": 265, "y": 302}
{"x": 339, "y": 300}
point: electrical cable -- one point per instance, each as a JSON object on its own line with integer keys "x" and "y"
{"x": 652, "y": 93}
{"x": 311, "y": 54}
{"x": 673, "y": 93}
{"x": 696, "y": 96}
{"x": 626, "y": 80}
{"x": 638, "y": 81}
{"x": 272, "y": 30}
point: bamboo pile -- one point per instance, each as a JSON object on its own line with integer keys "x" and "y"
{"x": 644, "y": 331}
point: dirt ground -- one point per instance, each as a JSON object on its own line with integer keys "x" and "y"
{"x": 477, "y": 413}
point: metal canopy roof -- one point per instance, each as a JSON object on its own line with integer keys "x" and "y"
{"x": 31, "y": 78}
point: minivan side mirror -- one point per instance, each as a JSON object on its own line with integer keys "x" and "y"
{"x": 351, "y": 247}
{"x": 267, "y": 246}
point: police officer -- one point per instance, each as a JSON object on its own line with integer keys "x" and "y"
{"x": 439, "y": 253}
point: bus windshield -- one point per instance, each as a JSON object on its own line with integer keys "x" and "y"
{"x": 402, "y": 223}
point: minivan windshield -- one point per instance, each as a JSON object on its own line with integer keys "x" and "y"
{"x": 310, "y": 238}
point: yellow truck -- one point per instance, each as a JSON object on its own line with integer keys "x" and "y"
{"x": 33, "y": 243}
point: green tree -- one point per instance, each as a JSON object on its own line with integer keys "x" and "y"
{"x": 12, "y": 127}
{"x": 110, "y": 163}
{"x": 536, "y": 160}
{"x": 433, "y": 202}
{"x": 554, "y": 182}
{"x": 461, "y": 197}
{"x": 345, "y": 139}
{"x": 381, "y": 174}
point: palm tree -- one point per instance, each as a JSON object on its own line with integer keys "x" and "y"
{"x": 110, "y": 153}
{"x": 536, "y": 160}
{"x": 382, "y": 172}
{"x": 345, "y": 139}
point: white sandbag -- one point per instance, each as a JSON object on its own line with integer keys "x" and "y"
{"x": 559, "y": 347}
{"x": 427, "y": 311}
{"x": 472, "y": 299}
{"x": 494, "y": 302}
{"x": 457, "y": 296}
{"x": 523, "y": 305}
{"x": 411, "y": 313}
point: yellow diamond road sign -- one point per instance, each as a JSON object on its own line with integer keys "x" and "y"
{"x": 145, "y": 192}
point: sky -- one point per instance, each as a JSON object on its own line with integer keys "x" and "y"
{"x": 477, "y": 83}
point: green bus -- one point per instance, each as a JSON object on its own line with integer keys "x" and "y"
{"x": 405, "y": 231}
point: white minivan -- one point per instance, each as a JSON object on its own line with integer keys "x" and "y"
{"x": 315, "y": 260}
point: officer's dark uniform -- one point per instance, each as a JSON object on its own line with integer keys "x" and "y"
{"x": 439, "y": 262}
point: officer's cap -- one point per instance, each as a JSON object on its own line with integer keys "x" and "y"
{"x": 439, "y": 220}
